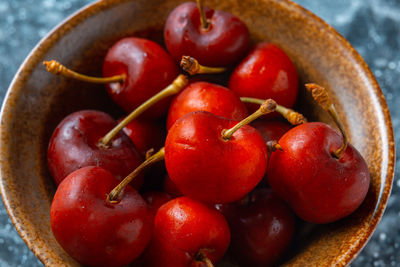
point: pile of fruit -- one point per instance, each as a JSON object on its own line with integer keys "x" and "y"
{"x": 232, "y": 182}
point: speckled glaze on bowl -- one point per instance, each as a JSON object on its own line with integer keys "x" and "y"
{"x": 36, "y": 101}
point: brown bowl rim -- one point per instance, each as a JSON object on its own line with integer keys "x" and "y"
{"x": 88, "y": 10}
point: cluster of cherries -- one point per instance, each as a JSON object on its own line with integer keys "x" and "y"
{"x": 225, "y": 179}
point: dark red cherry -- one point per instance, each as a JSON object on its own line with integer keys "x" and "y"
{"x": 267, "y": 72}
{"x": 155, "y": 199}
{"x": 224, "y": 42}
{"x": 94, "y": 231}
{"x": 205, "y": 96}
{"x": 75, "y": 144}
{"x": 145, "y": 135}
{"x": 262, "y": 228}
{"x": 271, "y": 129}
{"x": 148, "y": 69}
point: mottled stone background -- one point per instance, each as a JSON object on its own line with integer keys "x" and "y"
{"x": 371, "y": 26}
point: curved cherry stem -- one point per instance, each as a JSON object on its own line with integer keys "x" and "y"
{"x": 192, "y": 66}
{"x": 322, "y": 98}
{"x": 267, "y": 107}
{"x": 57, "y": 68}
{"x": 205, "y": 25}
{"x": 113, "y": 196}
{"x": 293, "y": 117}
{"x": 175, "y": 87}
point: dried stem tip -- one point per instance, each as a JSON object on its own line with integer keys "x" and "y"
{"x": 54, "y": 66}
{"x": 321, "y": 96}
{"x": 290, "y": 115}
{"x": 268, "y": 106}
{"x": 192, "y": 66}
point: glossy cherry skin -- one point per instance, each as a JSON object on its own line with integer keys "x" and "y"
{"x": 208, "y": 168}
{"x": 271, "y": 129}
{"x": 148, "y": 69}
{"x": 184, "y": 228}
{"x": 74, "y": 144}
{"x": 145, "y": 134}
{"x": 94, "y": 231}
{"x": 225, "y": 42}
{"x": 267, "y": 72}
{"x": 318, "y": 187}
{"x": 155, "y": 199}
{"x": 261, "y": 229}
{"x": 210, "y": 97}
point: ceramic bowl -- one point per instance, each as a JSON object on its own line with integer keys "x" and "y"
{"x": 36, "y": 101}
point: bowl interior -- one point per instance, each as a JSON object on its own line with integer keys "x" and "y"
{"x": 37, "y": 101}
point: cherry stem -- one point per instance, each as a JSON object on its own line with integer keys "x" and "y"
{"x": 175, "y": 87}
{"x": 115, "y": 193}
{"x": 293, "y": 117}
{"x": 203, "y": 19}
{"x": 192, "y": 66}
{"x": 322, "y": 98}
{"x": 267, "y": 107}
{"x": 208, "y": 262}
{"x": 273, "y": 145}
{"x": 57, "y": 68}
{"x": 203, "y": 258}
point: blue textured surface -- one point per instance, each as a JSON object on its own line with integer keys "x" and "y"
{"x": 371, "y": 26}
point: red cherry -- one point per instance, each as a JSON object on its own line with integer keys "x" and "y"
{"x": 156, "y": 199}
{"x": 261, "y": 229}
{"x": 145, "y": 135}
{"x": 210, "y": 163}
{"x": 186, "y": 233}
{"x": 271, "y": 129}
{"x": 223, "y": 41}
{"x": 148, "y": 69}
{"x": 205, "y": 96}
{"x": 94, "y": 231}
{"x": 319, "y": 187}
{"x": 75, "y": 144}
{"x": 267, "y": 72}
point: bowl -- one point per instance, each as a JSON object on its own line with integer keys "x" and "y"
{"x": 36, "y": 101}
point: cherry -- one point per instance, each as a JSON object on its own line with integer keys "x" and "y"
{"x": 212, "y": 163}
{"x": 75, "y": 144}
{"x": 93, "y": 230}
{"x": 156, "y": 199}
{"x": 134, "y": 69}
{"x": 213, "y": 37}
{"x": 148, "y": 69}
{"x": 262, "y": 228}
{"x": 205, "y": 96}
{"x": 187, "y": 233}
{"x": 320, "y": 175}
{"x": 145, "y": 134}
{"x": 271, "y": 129}
{"x": 267, "y": 72}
